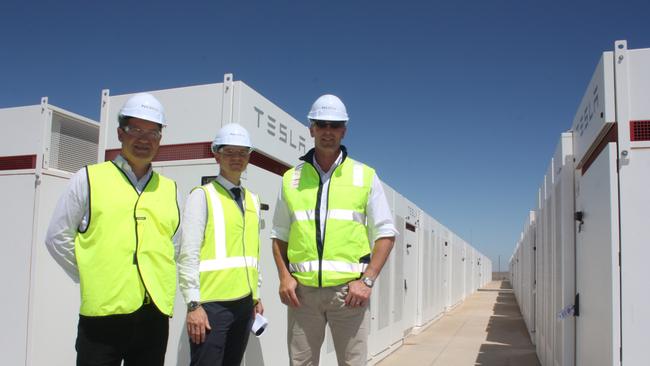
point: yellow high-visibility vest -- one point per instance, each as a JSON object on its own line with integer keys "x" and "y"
{"x": 127, "y": 248}
{"x": 231, "y": 246}
{"x": 344, "y": 253}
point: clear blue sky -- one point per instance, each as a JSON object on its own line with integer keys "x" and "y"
{"x": 458, "y": 104}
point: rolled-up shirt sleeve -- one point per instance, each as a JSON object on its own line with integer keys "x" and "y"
{"x": 380, "y": 218}
{"x": 281, "y": 219}
{"x": 69, "y": 217}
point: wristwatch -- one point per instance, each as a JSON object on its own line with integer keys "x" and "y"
{"x": 193, "y": 305}
{"x": 368, "y": 281}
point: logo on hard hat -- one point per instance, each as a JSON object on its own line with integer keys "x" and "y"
{"x": 146, "y": 106}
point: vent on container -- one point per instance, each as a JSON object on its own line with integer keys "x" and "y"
{"x": 639, "y": 130}
{"x": 73, "y": 143}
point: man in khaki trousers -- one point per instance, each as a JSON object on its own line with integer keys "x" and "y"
{"x": 328, "y": 208}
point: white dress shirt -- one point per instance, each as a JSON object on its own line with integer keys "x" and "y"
{"x": 380, "y": 219}
{"x": 71, "y": 216}
{"x": 195, "y": 218}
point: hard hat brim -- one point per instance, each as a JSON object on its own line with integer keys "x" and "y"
{"x": 345, "y": 121}
{"x": 136, "y": 114}
{"x": 214, "y": 147}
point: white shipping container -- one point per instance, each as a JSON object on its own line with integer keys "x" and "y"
{"x": 36, "y": 162}
{"x": 430, "y": 268}
{"x": 591, "y": 226}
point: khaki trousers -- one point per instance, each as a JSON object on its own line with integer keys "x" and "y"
{"x": 306, "y": 327}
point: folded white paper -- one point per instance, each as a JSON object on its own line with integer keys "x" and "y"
{"x": 259, "y": 325}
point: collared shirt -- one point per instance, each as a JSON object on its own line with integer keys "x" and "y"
{"x": 71, "y": 216}
{"x": 195, "y": 218}
{"x": 380, "y": 219}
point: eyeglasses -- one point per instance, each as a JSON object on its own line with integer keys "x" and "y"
{"x": 331, "y": 124}
{"x": 231, "y": 153}
{"x": 142, "y": 133}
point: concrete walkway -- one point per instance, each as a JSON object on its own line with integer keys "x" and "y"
{"x": 486, "y": 329}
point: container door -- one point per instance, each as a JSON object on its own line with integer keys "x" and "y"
{"x": 446, "y": 272}
{"x": 16, "y": 222}
{"x": 381, "y": 311}
{"x": 410, "y": 276}
{"x": 533, "y": 284}
{"x": 597, "y": 269}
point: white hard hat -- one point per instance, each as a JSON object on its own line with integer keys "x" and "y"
{"x": 328, "y": 107}
{"x": 231, "y": 134}
{"x": 144, "y": 106}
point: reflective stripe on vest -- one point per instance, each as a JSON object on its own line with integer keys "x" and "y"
{"x": 127, "y": 248}
{"x": 334, "y": 266}
{"x": 335, "y": 214}
{"x": 346, "y": 246}
{"x": 230, "y": 250}
{"x": 357, "y": 171}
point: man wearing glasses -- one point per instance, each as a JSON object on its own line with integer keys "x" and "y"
{"x": 218, "y": 261}
{"x": 328, "y": 208}
{"x": 113, "y": 232}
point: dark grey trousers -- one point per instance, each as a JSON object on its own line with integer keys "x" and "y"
{"x": 225, "y": 344}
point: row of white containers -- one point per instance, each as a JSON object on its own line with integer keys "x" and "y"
{"x": 430, "y": 270}
{"x": 579, "y": 270}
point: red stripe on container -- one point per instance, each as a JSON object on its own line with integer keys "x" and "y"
{"x": 268, "y": 164}
{"x": 197, "y": 150}
{"x": 611, "y": 136}
{"x": 201, "y": 150}
{"x": 17, "y": 162}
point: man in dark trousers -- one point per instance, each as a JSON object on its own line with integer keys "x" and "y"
{"x": 218, "y": 262}
{"x": 112, "y": 231}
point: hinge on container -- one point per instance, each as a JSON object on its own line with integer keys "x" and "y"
{"x": 576, "y": 306}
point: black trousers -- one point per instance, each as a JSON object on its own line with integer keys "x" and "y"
{"x": 139, "y": 338}
{"x": 225, "y": 344}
